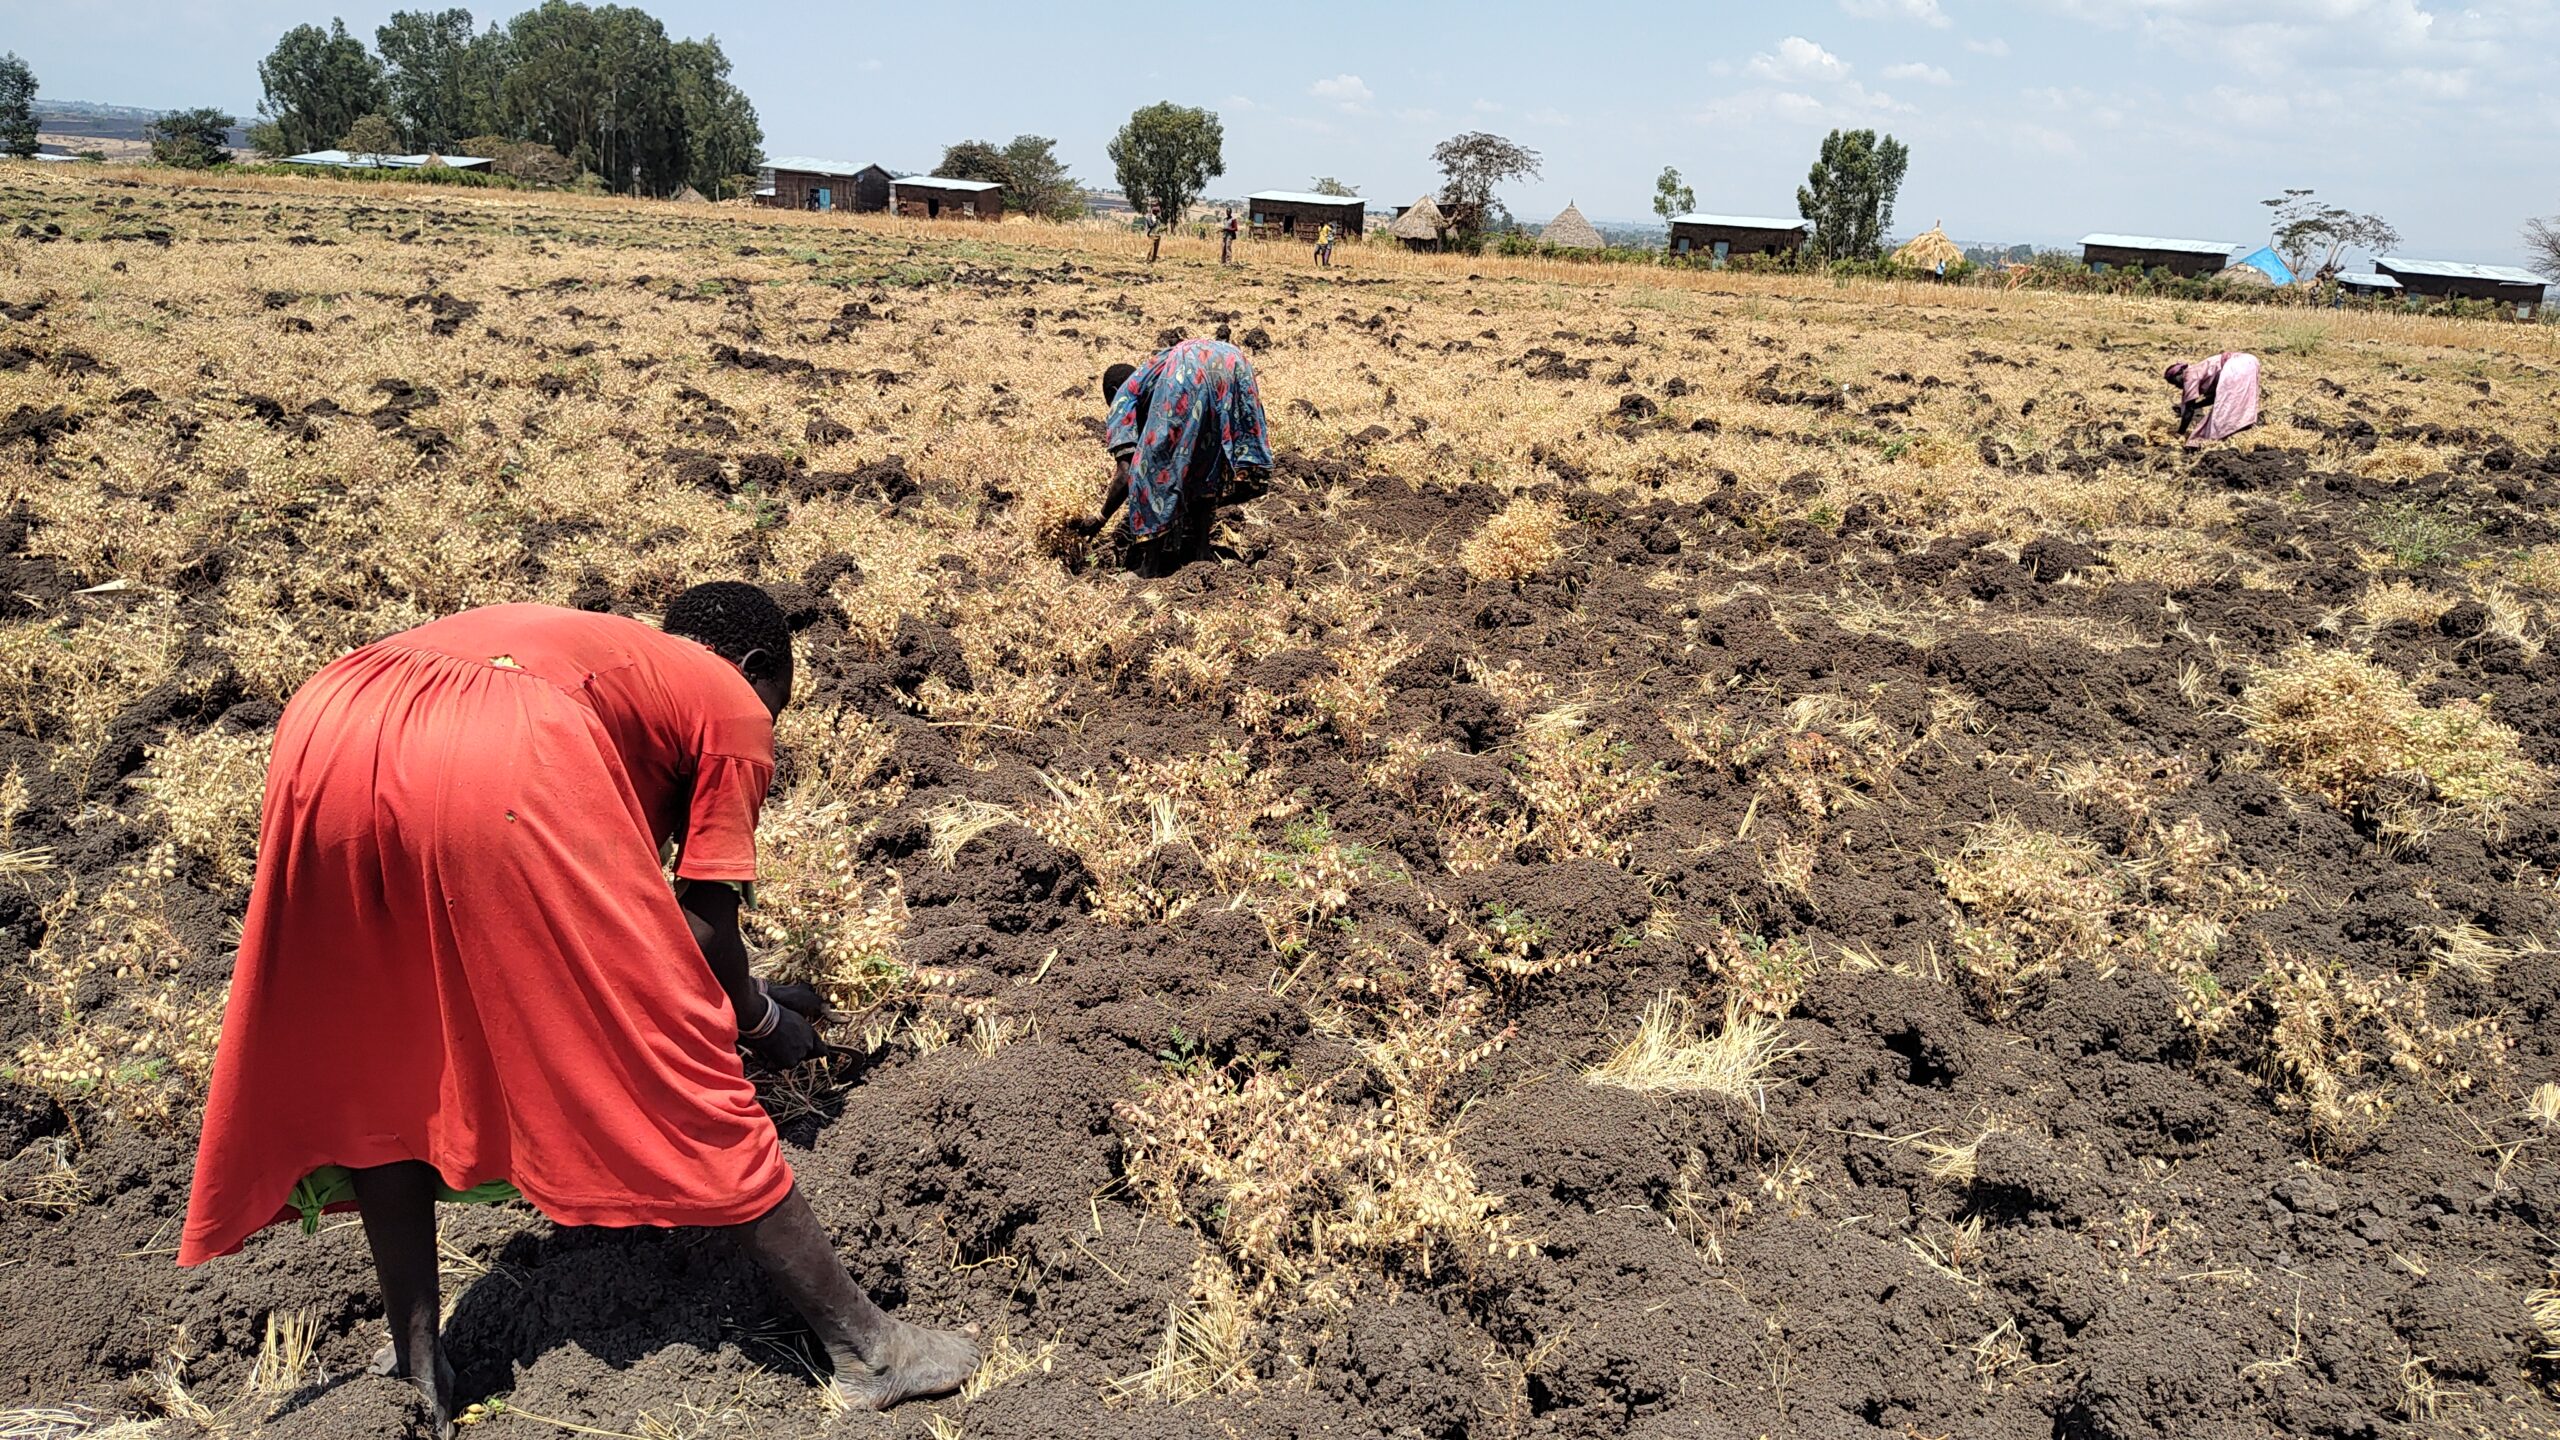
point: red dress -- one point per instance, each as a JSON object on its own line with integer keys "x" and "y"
{"x": 461, "y": 947}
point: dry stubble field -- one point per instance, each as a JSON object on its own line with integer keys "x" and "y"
{"x": 1715, "y": 857}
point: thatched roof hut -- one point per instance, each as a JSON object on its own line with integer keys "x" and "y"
{"x": 1930, "y": 249}
{"x": 1569, "y": 231}
{"x": 1421, "y": 225}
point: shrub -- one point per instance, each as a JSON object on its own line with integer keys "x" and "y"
{"x": 2356, "y": 735}
{"x": 1522, "y": 540}
{"x": 1301, "y": 1182}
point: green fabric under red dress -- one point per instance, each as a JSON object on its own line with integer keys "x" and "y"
{"x": 461, "y": 947}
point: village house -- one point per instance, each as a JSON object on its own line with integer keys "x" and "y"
{"x": 355, "y": 160}
{"x": 2452, "y": 280}
{"x": 1722, "y": 237}
{"x": 1300, "y": 216}
{"x": 1420, "y": 225}
{"x": 1569, "y": 231}
{"x": 935, "y": 197}
{"x": 2185, "y": 259}
{"x": 802, "y": 182}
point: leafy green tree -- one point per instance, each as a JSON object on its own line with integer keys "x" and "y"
{"x": 267, "y": 138}
{"x": 1671, "y": 197}
{"x": 723, "y": 139}
{"x": 1327, "y": 185}
{"x": 190, "y": 139}
{"x": 2311, "y": 234}
{"x": 1166, "y": 155}
{"x": 439, "y": 78}
{"x": 598, "y": 84}
{"x": 1472, "y": 167}
{"x": 1038, "y": 182}
{"x": 1849, "y": 194}
{"x": 318, "y": 82}
{"x": 371, "y": 135}
{"x": 974, "y": 160}
{"x": 17, "y": 107}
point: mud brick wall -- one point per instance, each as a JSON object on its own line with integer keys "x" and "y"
{"x": 955, "y": 204}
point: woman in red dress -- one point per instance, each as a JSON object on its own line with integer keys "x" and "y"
{"x": 463, "y": 969}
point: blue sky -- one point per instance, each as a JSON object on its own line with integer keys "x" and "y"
{"x": 2034, "y": 120}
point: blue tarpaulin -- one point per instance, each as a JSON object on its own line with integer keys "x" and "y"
{"x": 2268, "y": 261}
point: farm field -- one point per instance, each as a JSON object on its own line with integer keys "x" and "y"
{"x": 1716, "y": 856}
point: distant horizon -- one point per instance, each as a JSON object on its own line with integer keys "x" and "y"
{"x": 2034, "y": 120}
{"x": 1901, "y": 230}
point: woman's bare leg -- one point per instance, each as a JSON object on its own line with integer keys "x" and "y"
{"x": 878, "y": 1360}
{"x": 398, "y": 1203}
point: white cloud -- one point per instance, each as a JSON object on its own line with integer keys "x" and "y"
{"x": 1238, "y": 102}
{"x": 1995, "y": 47}
{"x": 1547, "y": 115}
{"x": 1857, "y": 98}
{"x": 1488, "y": 107}
{"x": 1919, "y": 73}
{"x": 1925, "y": 12}
{"x": 2248, "y": 109}
{"x": 1799, "y": 59}
{"x": 1348, "y": 91}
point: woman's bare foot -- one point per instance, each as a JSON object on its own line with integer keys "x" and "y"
{"x": 438, "y": 1395}
{"x": 913, "y": 1363}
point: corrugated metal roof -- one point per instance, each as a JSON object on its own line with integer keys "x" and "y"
{"x": 2154, "y": 242}
{"x": 1301, "y": 197}
{"x": 2456, "y": 270}
{"x": 2370, "y": 282}
{"x": 811, "y": 165}
{"x": 345, "y": 160}
{"x": 936, "y": 182}
{"x": 1739, "y": 222}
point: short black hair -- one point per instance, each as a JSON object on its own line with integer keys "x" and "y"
{"x": 733, "y": 617}
{"x": 1115, "y": 377}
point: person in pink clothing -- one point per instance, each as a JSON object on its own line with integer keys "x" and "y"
{"x": 2224, "y": 390}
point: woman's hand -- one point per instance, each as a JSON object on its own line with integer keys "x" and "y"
{"x": 793, "y": 1040}
{"x": 801, "y": 1000}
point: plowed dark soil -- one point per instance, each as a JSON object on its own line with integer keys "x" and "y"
{"x": 2294, "y": 1294}
{"x": 2146, "y": 1244}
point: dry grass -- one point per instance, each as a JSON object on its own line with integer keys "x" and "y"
{"x": 1672, "y": 1051}
{"x": 2030, "y": 905}
{"x": 555, "y": 467}
{"x": 2356, "y": 735}
{"x": 1205, "y": 1350}
{"x": 1313, "y": 1192}
{"x": 1521, "y": 541}
{"x": 204, "y": 792}
{"x": 57, "y": 1422}
{"x": 2339, "y": 1050}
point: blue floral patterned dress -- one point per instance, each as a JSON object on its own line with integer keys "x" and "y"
{"x": 1186, "y": 422}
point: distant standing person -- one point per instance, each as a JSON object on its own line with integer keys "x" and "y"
{"x": 1227, "y": 240}
{"x": 1155, "y": 237}
{"x": 1182, "y": 427}
{"x": 2223, "y": 390}
{"x": 1324, "y": 245}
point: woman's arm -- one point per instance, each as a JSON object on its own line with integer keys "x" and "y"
{"x": 711, "y": 912}
{"x": 1113, "y": 496}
